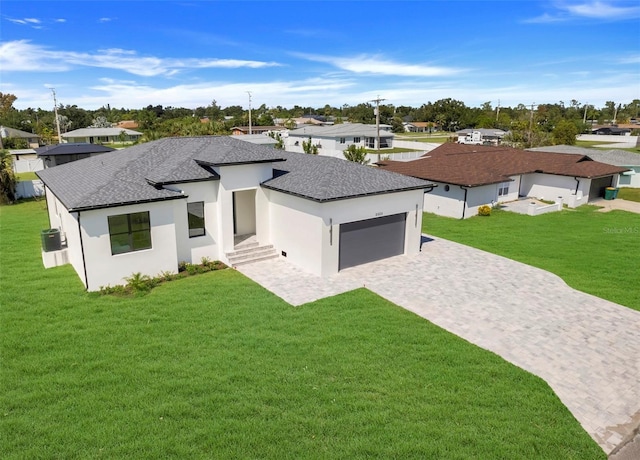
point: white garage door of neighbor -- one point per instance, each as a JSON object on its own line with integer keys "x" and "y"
{"x": 372, "y": 239}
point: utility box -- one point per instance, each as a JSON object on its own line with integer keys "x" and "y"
{"x": 51, "y": 240}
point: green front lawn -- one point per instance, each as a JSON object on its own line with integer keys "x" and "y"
{"x": 592, "y": 251}
{"x": 631, "y": 194}
{"x": 215, "y": 366}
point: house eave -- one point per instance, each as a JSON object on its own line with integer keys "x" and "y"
{"x": 124, "y": 203}
{"x": 347, "y": 197}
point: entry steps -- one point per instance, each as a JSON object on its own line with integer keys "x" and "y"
{"x": 247, "y": 253}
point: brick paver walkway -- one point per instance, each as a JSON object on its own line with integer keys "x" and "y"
{"x": 586, "y": 348}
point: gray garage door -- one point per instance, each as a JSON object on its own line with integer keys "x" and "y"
{"x": 372, "y": 239}
{"x": 597, "y": 187}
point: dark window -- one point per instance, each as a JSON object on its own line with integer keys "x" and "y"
{"x": 503, "y": 189}
{"x": 129, "y": 232}
{"x": 343, "y": 140}
{"x": 356, "y": 140}
{"x": 195, "y": 214}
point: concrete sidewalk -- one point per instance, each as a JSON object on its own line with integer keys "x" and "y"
{"x": 586, "y": 348}
{"x": 618, "y": 203}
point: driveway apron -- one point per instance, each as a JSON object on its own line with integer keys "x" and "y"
{"x": 586, "y": 348}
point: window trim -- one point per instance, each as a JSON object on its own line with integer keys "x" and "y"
{"x": 503, "y": 189}
{"x": 131, "y": 243}
{"x": 190, "y": 228}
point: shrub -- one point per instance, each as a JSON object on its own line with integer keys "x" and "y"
{"x": 484, "y": 210}
{"x": 138, "y": 283}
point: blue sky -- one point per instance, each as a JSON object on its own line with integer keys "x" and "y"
{"x": 311, "y": 53}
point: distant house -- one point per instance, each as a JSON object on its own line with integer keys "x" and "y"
{"x": 146, "y": 208}
{"x": 480, "y": 136}
{"x": 244, "y": 130}
{"x": 622, "y": 158}
{"x": 469, "y": 176}
{"x": 32, "y": 140}
{"x": 101, "y": 135}
{"x": 54, "y": 155}
{"x": 420, "y": 126}
{"x": 333, "y": 140}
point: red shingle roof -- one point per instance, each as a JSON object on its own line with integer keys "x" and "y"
{"x": 473, "y": 165}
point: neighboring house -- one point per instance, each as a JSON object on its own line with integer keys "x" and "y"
{"x": 59, "y": 154}
{"x": 334, "y": 140}
{"x": 149, "y": 207}
{"x": 25, "y": 160}
{"x": 469, "y": 176}
{"x": 101, "y": 135}
{"x": 244, "y": 130}
{"x": 33, "y": 140}
{"x": 622, "y": 158}
{"x": 420, "y": 126}
{"x": 480, "y": 136}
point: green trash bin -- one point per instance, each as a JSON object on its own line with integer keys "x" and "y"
{"x": 608, "y": 193}
{"x": 51, "y": 240}
{"x": 615, "y": 193}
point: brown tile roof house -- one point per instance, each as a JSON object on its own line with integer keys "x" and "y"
{"x": 473, "y": 165}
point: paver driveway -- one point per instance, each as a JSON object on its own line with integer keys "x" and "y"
{"x": 586, "y": 348}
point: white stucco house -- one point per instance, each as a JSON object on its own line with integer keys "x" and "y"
{"x": 623, "y": 158}
{"x": 101, "y": 135}
{"x": 466, "y": 177}
{"x": 151, "y": 206}
{"x": 335, "y": 139}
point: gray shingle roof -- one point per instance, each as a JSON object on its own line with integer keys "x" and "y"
{"x": 5, "y": 131}
{"x": 72, "y": 148}
{"x": 136, "y": 174}
{"x": 87, "y": 132}
{"x": 343, "y": 129}
{"x": 612, "y": 157}
{"x": 321, "y": 178}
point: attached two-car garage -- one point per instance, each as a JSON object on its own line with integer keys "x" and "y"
{"x": 369, "y": 240}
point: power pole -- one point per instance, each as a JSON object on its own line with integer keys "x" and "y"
{"x": 531, "y": 123}
{"x": 498, "y": 111}
{"x": 55, "y": 111}
{"x": 378, "y": 101}
{"x": 584, "y": 118}
{"x": 249, "y": 93}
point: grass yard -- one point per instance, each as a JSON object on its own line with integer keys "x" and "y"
{"x": 591, "y": 251}
{"x": 214, "y": 366}
{"x": 628, "y": 193}
{"x": 24, "y": 176}
{"x": 439, "y": 138}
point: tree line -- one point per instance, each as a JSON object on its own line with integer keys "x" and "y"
{"x": 531, "y": 125}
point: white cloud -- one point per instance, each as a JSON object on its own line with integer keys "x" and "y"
{"x": 591, "y": 9}
{"x": 631, "y": 59}
{"x": 602, "y": 10}
{"x": 105, "y": 19}
{"x": 376, "y": 65}
{"x": 21, "y": 55}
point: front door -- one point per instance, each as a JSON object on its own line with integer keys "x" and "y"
{"x": 244, "y": 212}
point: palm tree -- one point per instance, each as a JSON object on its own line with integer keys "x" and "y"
{"x": 7, "y": 178}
